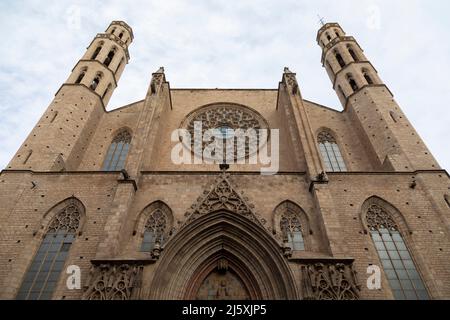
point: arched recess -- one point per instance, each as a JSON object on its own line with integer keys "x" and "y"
{"x": 143, "y": 219}
{"x": 57, "y": 235}
{"x": 289, "y": 208}
{"x": 393, "y": 211}
{"x": 51, "y": 213}
{"x": 201, "y": 246}
{"x": 390, "y": 235}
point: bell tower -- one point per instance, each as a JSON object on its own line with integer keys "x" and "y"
{"x": 393, "y": 142}
{"x": 60, "y": 138}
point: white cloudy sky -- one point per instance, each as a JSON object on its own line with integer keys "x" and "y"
{"x": 226, "y": 44}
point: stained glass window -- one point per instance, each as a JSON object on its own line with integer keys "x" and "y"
{"x": 154, "y": 230}
{"x": 331, "y": 154}
{"x": 43, "y": 275}
{"x": 117, "y": 152}
{"x": 404, "y": 279}
{"x": 292, "y": 231}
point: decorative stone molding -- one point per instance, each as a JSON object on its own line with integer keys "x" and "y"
{"x": 114, "y": 280}
{"x": 123, "y": 136}
{"x": 325, "y": 136}
{"x": 291, "y": 81}
{"x": 329, "y": 279}
{"x": 222, "y": 196}
{"x": 377, "y": 218}
{"x": 158, "y": 78}
{"x": 225, "y": 115}
{"x": 68, "y": 218}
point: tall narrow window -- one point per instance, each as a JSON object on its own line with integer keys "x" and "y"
{"x": 42, "y": 276}
{"x": 353, "y": 54}
{"x": 110, "y": 57}
{"x": 121, "y": 35}
{"x": 97, "y": 51}
{"x": 113, "y": 30}
{"x": 331, "y": 153}
{"x": 397, "y": 262}
{"x": 447, "y": 199}
{"x": 291, "y": 230}
{"x": 118, "y": 151}
{"x": 352, "y": 83}
{"x": 367, "y": 76}
{"x": 96, "y": 81}
{"x": 328, "y": 37}
{"x": 81, "y": 76}
{"x": 155, "y": 229}
{"x": 339, "y": 59}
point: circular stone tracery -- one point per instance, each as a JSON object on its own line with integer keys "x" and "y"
{"x": 225, "y": 117}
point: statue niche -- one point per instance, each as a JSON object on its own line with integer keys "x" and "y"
{"x": 222, "y": 284}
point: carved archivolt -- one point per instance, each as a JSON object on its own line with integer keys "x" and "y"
{"x": 291, "y": 81}
{"x": 330, "y": 281}
{"x": 114, "y": 281}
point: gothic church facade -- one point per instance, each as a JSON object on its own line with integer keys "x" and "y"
{"x": 98, "y": 190}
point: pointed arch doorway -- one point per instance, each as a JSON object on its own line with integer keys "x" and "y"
{"x": 222, "y": 255}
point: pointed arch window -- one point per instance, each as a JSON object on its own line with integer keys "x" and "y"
{"x": 81, "y": 76}
{"x": 155, "y": 229}
{"x": 331, "y": 154}
{"x": 353, "y": 54}
{"x": 42, "y": 276}
{"x": 339, "y": 59}
{"x": 291, "y": 230}
{"x": 117, "y": 152}
{"x": 367, "y": 76}
{"x": 352, "y": 82}
{"x": 96, "y": 81}
{"x": 97, "y": 51}
{"x": 406, "y": 283}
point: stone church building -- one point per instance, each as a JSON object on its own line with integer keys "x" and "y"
{"x": 94, "y": 195}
